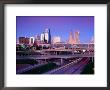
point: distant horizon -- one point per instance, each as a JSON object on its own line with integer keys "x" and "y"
{"x": 30, "y": 26}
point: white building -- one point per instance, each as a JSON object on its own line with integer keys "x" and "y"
{"x": 42, "y": 37}
{"x": 56, "y": 39}
{"x": 46, "y": 37}
{"x": 31, "y": 40}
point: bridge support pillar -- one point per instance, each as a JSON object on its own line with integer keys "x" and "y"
{"x": 56, "y": 52}
{"x": 62, "y": 61}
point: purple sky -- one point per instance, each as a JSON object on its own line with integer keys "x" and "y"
{"x": 29, "y": 26}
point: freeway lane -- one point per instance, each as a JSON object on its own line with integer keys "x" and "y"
{"x": 71, "y": 68}
{"x": 77, "y": 69}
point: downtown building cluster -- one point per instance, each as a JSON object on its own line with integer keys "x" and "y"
{"x": 46, "y": 41}
{"x": 44, "y": 38}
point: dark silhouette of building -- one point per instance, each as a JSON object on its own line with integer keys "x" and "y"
{"x": 23, "y": 40}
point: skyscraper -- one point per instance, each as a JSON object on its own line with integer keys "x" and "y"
{"x": 42, "y": 37}
{"x": 47, "y": 36}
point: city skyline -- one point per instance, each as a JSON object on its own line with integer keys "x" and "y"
{"x": 30, "y": 26}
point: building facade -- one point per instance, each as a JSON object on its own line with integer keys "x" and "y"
{"x": 21, "y": 40}
{"x": 46, "y": 36}
{"x": 31, "y": 41}
{"x": 56, "y": 39}
{"x": 42, "y": 37}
